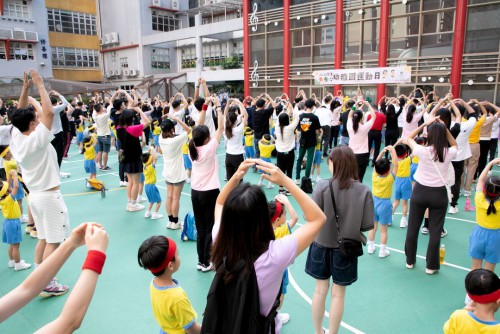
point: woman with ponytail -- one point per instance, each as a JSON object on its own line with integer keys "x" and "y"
{"x": 358, "y": 134}
{"x": 236, "y": 118}
{"x": 285, "y": 142}
{"x": 410, "y": 119}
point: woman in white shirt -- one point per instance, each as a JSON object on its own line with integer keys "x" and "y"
{"x": 410, "y": 119}
{"x": 285, "y": 142}
{"x": 233, "y": 133}
{"x": 358, "y": 134}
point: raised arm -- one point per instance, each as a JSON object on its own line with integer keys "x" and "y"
{"x": 205, "y": 87}
{"x": 47, "y": 111}
{"x": 294, "y": 218}
{"x": 410, "y": 141}
{"x": 458, "y": 115}
{"x": 220, "y": 124}
{"x": 243, "y": 112}
{"x": 181, "y": 123}
{"x": 146, "y": 121}
{"x": 23, "y": 99}
{"x": 482, "y": 178}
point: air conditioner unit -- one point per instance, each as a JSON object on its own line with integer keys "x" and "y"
{"x": 107, "y": 39}
{"x": 114, "y": 38}
{"x": 118, "y": 73}
{"x": 175, "y": 4}
{"x": 125, "y": 73}
{"x": 19, "y": 34}
{"x": 133, "y": 73}
{"x": 209, "y": 2}
{"x": 109, "y": 74}
{"x": 156, "y": 3}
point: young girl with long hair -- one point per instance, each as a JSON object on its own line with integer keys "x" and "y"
{"x": 285, "y": 141}
{"x": 236, "y": 119}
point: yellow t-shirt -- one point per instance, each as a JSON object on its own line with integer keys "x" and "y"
{"x": 491, "y": 221}
{"x": 318, "y": 143}
{"x": 265, "y": 149}
{"x": 464, "y": 322}
{"x": 10, "y": 208}
{"x": 414, "y": 160}
{"x": 89, "y": 151}
{"x": 9, "y": 165}
{"x": 185, "y": 146}
{"x": 171, "y": 308}
{"x": 156, "y": 130}
{"x": 79, "y": 128}
{"x": 382, "y": 185}
{"x": 249, "y": 140}
{"x": 475, "y": 135}
{"x": 149, "y": 174}
{"x": 404, "y": 167}
{"x": 282, "y": 231}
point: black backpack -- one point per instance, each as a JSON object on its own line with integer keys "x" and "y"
{"x": 306, "y": 185}
{"x": 234, "y": 308}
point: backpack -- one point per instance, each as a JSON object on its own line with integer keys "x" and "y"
{"x": 306, "y": 185}
{"x": 96, "y": 184}
{"x": 189, "y": 231}
{"x": 235, "y": 307}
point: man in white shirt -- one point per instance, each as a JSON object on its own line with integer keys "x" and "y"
{"x": 325, "y": 120}
{"x": 31, "y": 146}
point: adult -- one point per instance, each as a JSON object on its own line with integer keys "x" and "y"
{"x": 358, "y": 136}
{"x": 336, "y": 109}
{"x": 129, "y": 137}
{"x": 492, "y": 115}
{"x": 31, "y": 147}
{"x": 411, "y": 118}
{"x": 262, "y": 112}
{"x": 310, "y": 130}
{"x": 205, "y": 182}
{"x": 375, "y": 133}
{"x": 324, "y": 258}
{"x": 285, "y": 142}
{"x": 236, "y": 117}
{"x": 392, "y": 128}
{"x": 325, "y": 121}
{"x": 201, "y": 104}
{"x": 174, "y": 172}
{"x": 430, "y": 190}
{"x": 243, "y": 231}
{"x": 101, "y": 118}
{"x": 495, "y": 134}
{"x": 57, "y": 127}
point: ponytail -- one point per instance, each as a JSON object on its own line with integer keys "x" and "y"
{"x": 356, "y": 118}
{"x": 200, "y": 135}
{"x": 492, "y": 193}
{"x": 283, "y": 120}
{"x": 193, "y": 153}
{"x": 410, "y": 112}
{"x": 231, "y": 118}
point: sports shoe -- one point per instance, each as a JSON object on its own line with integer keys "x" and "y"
{"x": 34, "y": 233}
{"x": 383, "y": 253}
{"x": 29, "y": 228}
{"x": 135, "y": 207}
{"x": 156, "y": 215}
{"x": 123, "y": 184}
{"x": 147, "y": 214}
{"x": 24, "y": 218}
{"x": 424, "y": 230}
{"x": 66, "y": 157}
{"x": 141, "y": 199}
{"x": 288, "y": 193}
{"x": 281, "y": 191}
{"x": 430, "y": 271}
{"x": 106, "y": 168}
{"x": 453, "y": 210}
{"x": 10, "y": 264}
{"x": 444, "y": 233}
{"x": 370, "y": 248}
{"x": 403, "y": 223}
{"x": 199, "y": 266}
{"x": 169, "y": 225}
{"x": 54, "y": 289}
{"x": 175, "y": 226}
{"x": 260, "y": 184}
{"x": 21, "y": 265}
{"x": 270, "y": 186}
{"x": 318, "y": 179}
{"x": 467, "y": 193}
{"x": 283, "y": 317}
{"x": 206, "y": 268}
{"x": 297, "y": 181}
{"x": 188, "y": 180}
{"x": 64, "y": 175}
{"x": 409, "y": 266}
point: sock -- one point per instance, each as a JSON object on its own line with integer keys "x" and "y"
{"x": 170, "y": 218}
{"x": 426, "y": 222}
{"x": 175, "y": 220}
{"x": 382, "y": 247}
{"x": 133, "y": 202}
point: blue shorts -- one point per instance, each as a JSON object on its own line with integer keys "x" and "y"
{"x": 156, "y": 139}
{"x": 383, "y": 210}
{"x": 323, "y": 262}
{"x": 89, "y": 166}
{"x": 284, "y": 283}
{"x": 403, "y": 188}
{"x": 79, "y": 137}
{"x": 96, "y": 149}
{"x": 249, "y": 152}
{"x": 141, "y": 178}
{"x": 11, "y": 231}
{"x": 317, "y": 158}
{"x": 484, "y": 244}
{"x": 413, "y": 169}
{"x": 187, "y": 162}
{"x": 20, "y": 191}
{"x": 152, "y": 193}
{"x": 266, "y": 160}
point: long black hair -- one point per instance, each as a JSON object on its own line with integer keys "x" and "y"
{"x": 126, "y": 118}
{"x": 231, "y": 118}
{"x": 409, "y": 113}
{"x": 437, "y": 138}
{"x": 357, "y": 116}
{"x": 492, "y": 192}
{"x": 200, "y": 135}
{"x": 391, "y": 112}
{"x": 283, "y": 120}
{"x": 445, "y": 116}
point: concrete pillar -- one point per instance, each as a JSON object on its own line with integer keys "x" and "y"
{"x": 199, "y": 44}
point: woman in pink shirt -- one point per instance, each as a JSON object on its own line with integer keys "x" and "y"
{"x": 410, "y": 119}
{"x": 205, "y": 182}
{"x": 358, "y": 134}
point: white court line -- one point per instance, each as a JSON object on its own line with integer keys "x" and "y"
{"x": 73, "y": 161}
{"x": 83, "y": 178}
{"x": 448, "y": 217}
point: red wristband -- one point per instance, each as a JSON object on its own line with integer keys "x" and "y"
{"x": 94, "y": 261}
{"x": 205, "y": 107}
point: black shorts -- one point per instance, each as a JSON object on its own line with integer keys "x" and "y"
{"x": 135, "y": 167}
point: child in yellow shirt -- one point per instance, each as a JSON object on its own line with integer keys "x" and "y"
{"x": 402, "y": 184}
{"x": 156, "y": 136}
{"x": 88, "y": 152}
{"x": 249, "y": 149}
{"x": 152, "y": 192}
{"x": 266, "y": 147}
{"x": 9, "y": 163}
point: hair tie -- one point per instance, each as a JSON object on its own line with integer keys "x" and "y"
{"x": 172, "y": 247}
{"x": 485, "y": 299}
{"x": 278, "y": 212}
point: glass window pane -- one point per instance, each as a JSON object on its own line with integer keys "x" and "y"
{"x": 351, "y": 40}
{"x": 301, "y": 55}
{"x": 483, "y": 28}
{"x": 438, "y": 4}
{"x": 434, "y": 45}
{"x": 275, "y": 49}
{"x": 258, "y": 50}
{"x": 323, "y": 54}
{"x": 370, "y": 39}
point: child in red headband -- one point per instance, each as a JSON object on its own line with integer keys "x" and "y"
{"x": 282, "y": 228}
{"x": 483, "y": 288}
{"x": 171, "y": 306}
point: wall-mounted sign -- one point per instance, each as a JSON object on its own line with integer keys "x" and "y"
{"x": 371, "y": 75}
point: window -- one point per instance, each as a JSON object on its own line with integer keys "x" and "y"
{"x": 160, "y": 58}
{"x": 18, "y": 51}
{"x": 124, "y": 62}
{"x": 16, "y": 8}
{"x": 188, "y": 57}
{"x": 164, "y": 22}
{"x": 70, "y": 57}
{"x": 71, "y": 22}
{"x": 3, "y": 54}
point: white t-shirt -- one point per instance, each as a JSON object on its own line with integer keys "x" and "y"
{"x": 178, "y": 128}
{"x": 102, "y": 123}
{"x": 209, "y": 120}
{"x": 324, "y": 115}
{"x": 234, "y": 145}
{"x": 462, "y": 139}
{"x": 494, "y": 129}
{"x": 173, "y": 161}
{"x": 57, "y": 123}
{"x": 286, "y": 143}
{"x": 37, "y": 157}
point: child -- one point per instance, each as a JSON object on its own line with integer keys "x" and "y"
{"x": 249, "y": 149}
{"x": 483, "y": 288}
{"x": 266, "y": 147}
{"x": 382, "y": 183}
{"x": 10, "y": 164}
{"x": 402, "y": 183}
{"x": 79, "y": 132}
{"x": 282, "y": 228}
{"x": 149, "y": 161}
{"x": 415, "y": 160}
{"x": 156, "y": 136}
{"x": 317, "y": 159}
{"x": 188, "y": 165}
{"x": 171, "y": 306}
{"x": 113, "y": 134}
{"x": 141, "y": 199}
{"x": 12, "y": 225}
{"x": 88, "y": 151}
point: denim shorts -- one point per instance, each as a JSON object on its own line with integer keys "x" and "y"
{"x": 90, "y": 166}
{"x": 484, "y": 244}
{"x": 104, "y": 144}
{"x": 323, "y": 262}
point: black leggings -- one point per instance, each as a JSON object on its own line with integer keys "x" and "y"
{"x": 458, "y": 167}
{"x": 233, "y": 161}
{"x": 391, "y": 137}
{"x": 436, "y": 200}
{"x": 493, "y": 148}
{"x": 362, "y": 160}
{"x": 58, "y": 143}
{"x": 285, "y": 162}
{"x": 203, "y": 209}
{"x": 334, "y": 135}
{"x": 484, "y": 150}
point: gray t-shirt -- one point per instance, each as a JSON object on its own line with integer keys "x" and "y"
{"x": 356, "y": 213}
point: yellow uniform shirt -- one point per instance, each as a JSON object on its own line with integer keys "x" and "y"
{"x": 265, "y": 149}
{"x": 156, "y": 130}
{"x": 249, "y": 140}
{"x": 282, "y": 231}
{"x": 185, "y": 146}
{"x": 89, "y": 151}
{"x": 475, "y": 135}
{"x": 171, "y": 308}
{"x": 9, "y": 165}
{"x": 414, "y": 160}
{"x": 464, "y": 322}
{"x": 79, "y": 128}
{"x": 149, "y": 174}
{"x": 404, "y": 167}
{"x": 10, "y": 208}
{"x": 491, "y": 221}
{"x": 382, "y": 185}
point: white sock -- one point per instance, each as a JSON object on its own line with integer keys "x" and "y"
{"x": 371, "y": 242}
{"x": 133, "y": 202}
{"x": 382, "y": 247}
{"x": 35, "y": 265}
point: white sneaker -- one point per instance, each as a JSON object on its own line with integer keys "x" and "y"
{"x": 156, "y": 215}
{"x": 283, "y": 317}
{"x": 467, "y": 193}
{"x": 64, "y": 175}
{"x": 123, "y": 184}
{"x": 21, "y": 265}
{"x": 370, "y": 247}
{"x": 260, "y": 184}
{"x": 424, "y": 230}
{"x": 135, "y": 207}
{"x": 383, "y": 252}
{"x": 11, "y": 263}
{"x": 297, "y": 181}
{"x": 205, "y": 268}
{"x": 141, "y": 199}
{"x": 403, "y": 223}
{"x": 24, "y": 218}
{"x": 453, "y": 210}
{"x": 169, "y": 225}
{"x": 318, "y": 179}
{"x": 175, "y": 226}
{"x": 188, "y": 180}
{"x": 270, "y": 186}
{"x": 147, "y": 214}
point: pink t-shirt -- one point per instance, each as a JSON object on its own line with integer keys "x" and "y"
{"x": 410, "y": 127}
{"x": 358, "y": 141}
{"x": 426, "y": 173}
{"x": 134, "y": 130}
{"x": 269, "y": 269}
{"x": 205, "y": 175}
